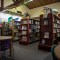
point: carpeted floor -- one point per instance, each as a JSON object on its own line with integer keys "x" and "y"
{"x": 30, "y": 52}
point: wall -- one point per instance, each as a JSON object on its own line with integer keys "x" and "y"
{"x": 0, "y": 3}
{"x": 21, "y": 8}
{"x": 7, "y": 2}
{"x": 37, "y": 11}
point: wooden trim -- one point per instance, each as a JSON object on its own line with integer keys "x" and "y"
{"x": 14, "y": 5}
{"x": 2, "y": 3}
{"x": 39, "y": 3}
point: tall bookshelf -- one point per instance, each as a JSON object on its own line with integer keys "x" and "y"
{"x": 16, "y": 31}
{"x": 6, "y": 31}
{"x": 29, "y": 31}
{"x": 0, "y": 29}
{"x": 15, "y": 28}
{"x": 49, "y": 30}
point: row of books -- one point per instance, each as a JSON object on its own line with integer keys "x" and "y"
{"x": 24, "y": 27}
{"x": 56, "y": 25}
{"x": 30, "y": 31}
{"x": 30, "y": 22}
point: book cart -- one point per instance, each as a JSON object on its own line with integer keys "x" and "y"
{"x": 49, "y": 30}
{"x": 29, "y": 31}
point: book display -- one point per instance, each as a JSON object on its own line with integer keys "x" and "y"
{"x": 29, "y": 31}
{"x": 49, "y": 30}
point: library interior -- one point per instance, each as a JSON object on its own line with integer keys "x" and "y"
{"x": 29, "y": 30}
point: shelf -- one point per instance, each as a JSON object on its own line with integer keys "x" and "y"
{"x": 30, "y": 28}
{"x": 23, "y": 35}
{"x": 23, "y": 30}
{"x": 49, "y": 29}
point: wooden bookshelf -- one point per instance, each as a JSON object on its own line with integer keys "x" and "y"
{"x": 6, "y": 31}
{"x": 49, "y": 30}
{"x": 15, "y": 27}
{"x": 29, "y": 31}
{"x": 17, "y": 30}
{"x": 0, "y": 29}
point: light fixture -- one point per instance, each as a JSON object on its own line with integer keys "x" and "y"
{"x": 5, "y": 17}
{"x": 30, "y": 0}
{"x": 27, "y": 1}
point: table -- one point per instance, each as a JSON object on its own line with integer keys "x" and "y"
{"x": 3, "y": 38}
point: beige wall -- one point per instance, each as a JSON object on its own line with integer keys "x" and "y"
{"x": 37, "y": 11}
{"x": 7, "y": 2}
{"x": 21, "y": 8}
{"x": 0, "y": 3}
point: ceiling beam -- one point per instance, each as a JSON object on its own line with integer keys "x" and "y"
{"x": 17, "y": 3}
{"x": 39, "y": 3}
{"x": 2, "y": 5}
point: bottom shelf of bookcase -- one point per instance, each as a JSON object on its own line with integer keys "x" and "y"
{"x": 33, "y": 41}
{"x": 23, "y": 42}
{"x": 27, "y": 43}
{"x": 44, "y": 47}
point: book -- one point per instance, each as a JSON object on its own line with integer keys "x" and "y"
{"x": 30, "y": 30}
{"x": 45, "y": 15}
{"x": 24, "y": 27}
{"x": 46, "y": 35}
{"x": 58, "y": 26}
{"x": 24, "y": 38}
{"x": 58, "y": 30}
{"x": 45, "y": 22}
{"x": 43, "y": 41}
{"x": 0, "y": 32}
{"x": 38, "y": 26}
{"x": 58, "y": 34}
{"x": 24, "y": 32}
{"x": 0, "y": 25}
{"x": 58, "y": 21}
{"x": 55, "y": 25}
{"x": 54, "y": 31}
{"x": 30, "y": 21}
{"x": 25, "y": 22}
{"x": 36, "y": 22}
